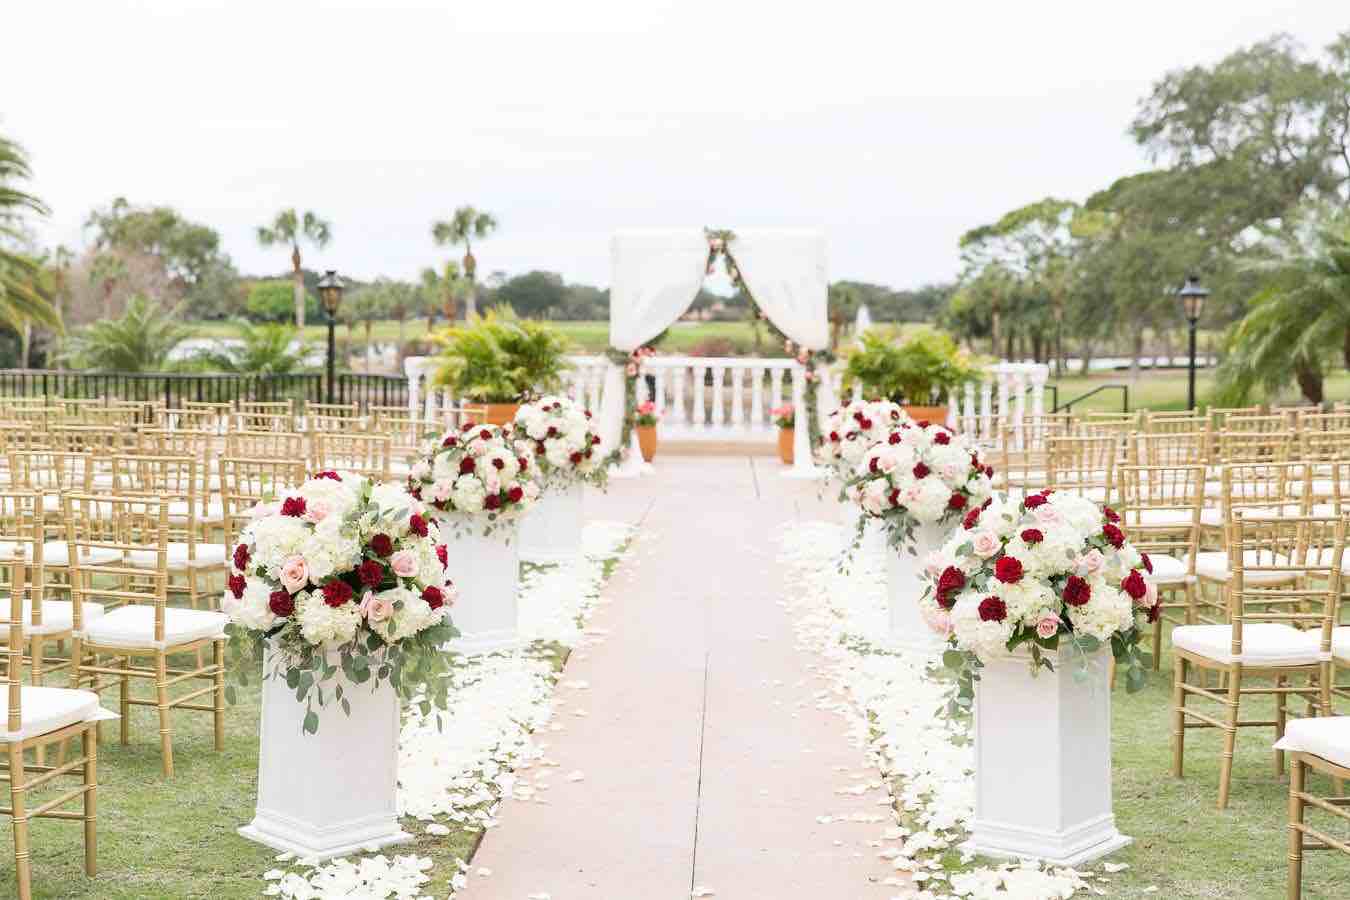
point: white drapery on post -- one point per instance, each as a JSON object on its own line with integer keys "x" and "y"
{"x": 784, "y": 271}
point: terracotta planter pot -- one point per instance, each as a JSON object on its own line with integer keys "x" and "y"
{"x": 647, "y": 441}
{"x": 501, "y": 413}
{"x": 934, "y": 414}
{"x": 785, "y": 436}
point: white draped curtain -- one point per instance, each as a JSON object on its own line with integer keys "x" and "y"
{"x": 657, "y": 274}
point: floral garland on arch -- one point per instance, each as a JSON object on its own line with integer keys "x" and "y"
{"x": 342, "y": 566}
{"x": 1050, "y": 573}
{"x": 632, "y": 371}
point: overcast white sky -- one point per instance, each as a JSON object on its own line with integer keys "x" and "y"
{"x": 892, "y": 126}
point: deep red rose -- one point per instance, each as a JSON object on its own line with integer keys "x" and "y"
{"x": 834, "y": 437}
{"x": 1033, "y": 501}
{"x": 894, "y": 497}
{"x": 450, "y": 441}
{"x": 515, "y": 494}
{"x": 1154, "y": 612}
{"x": 576, "y": 458}
{"x": 382, "y": 544}
{"x": 1114, "y": 536}
{"x": 894, "y": 438}
{"x": 336, "y": 593}
{"x": 923, "y": 423}
{"x": 1148, "y": 563}
{"x": 466, "y": 465}
{"x": 485, "y": 434}
{"x": 330, "y": 475}
{"x": 972, "y": 518}
{"x": 433, "y": 596}
{"x": 950, "y": 581}
{"x": 1033, "y": 535}
{"x": 492, "y": 501}
{"x": 956, "y": 501}
{"x": 993, "y": 609}
{"x": 523, "y": 463}
{"x": 416, "y": 491}
{"x": 942, "y": 437}
{"x": 418, "y": 526}
{"x": 588, "y": 413}
{"x": 498, "y": 463}
{"x": 866, "y": 424}
{"x": 236, "y": 585}
{"x": 241, "y": 557}
{"x": 920, "y": 470}
{"x": 281, "y": 604}
{"x": 1134, "y": 585}
{"x": 595, "y": 440}
{"x": 1111, "y": 514}
{"x": 1008, "y": 569}
{"x": 540, "y": 449}
{"x": 552, "y": 432}
{"x": 858, "y": 417}
{"x": 989, "y": 471}
{"x": 293, "y": 506}
{"x": 371, "y": 573}
{"x": 1077, "y": 591}
{"x": 872, "y": 465}
{"x": 443, "y": 554}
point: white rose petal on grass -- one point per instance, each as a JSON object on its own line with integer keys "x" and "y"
{"x": 576, "y": 776}
{"x": 702, "y": 892}
{"x": 1112, "y": 868}
{"x": 437, "y": 829}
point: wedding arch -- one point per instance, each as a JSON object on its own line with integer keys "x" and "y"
{"x": 655, "y": 277}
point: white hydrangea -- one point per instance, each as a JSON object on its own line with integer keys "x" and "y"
{"x": 324, "y": 624}
{"x": 251, "y": 610}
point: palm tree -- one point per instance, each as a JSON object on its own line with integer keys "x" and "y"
{"x": 267, "y": 349}
{"x": 290, "y": 228}
{"x": 107, "y": 270}
{"x": 442, "y": 291}
{"x": 464, "y": 226}
{"x": 142, "y": 340}
{"x": 21, "y": 298}
{"x": 1296, "y": 326}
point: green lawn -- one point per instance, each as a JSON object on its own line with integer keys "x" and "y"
{"x": 1156, "y": 390}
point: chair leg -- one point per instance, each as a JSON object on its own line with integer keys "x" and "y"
{"x": 23, "y": 871}
{"x": 1179, "y": 674}
{"x": 1297, "y": 778}
{"x": 1229, "y": 734}
{"x": 125, "y": 724}
{"x": 90, "y": 746}
{"x": 162, "y": 702}
{"x": 35, "y": 675}
{"x": 219, "y": 693}
{"x": 1281, "y": 717}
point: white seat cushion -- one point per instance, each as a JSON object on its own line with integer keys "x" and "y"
{"x": 208, "y": 555}
{"x": 1179, "y": 517}
{"x": 57, "y": 616}
{"x": 1320, "y": 488}
{"x": 1263, "y": 644}
{"x": 211, "y": 512}
{"x": 134, "y": 626}
{"x": 1213, "y": 564}
{"x": 1166, "y": 569}
{"x": 1340, "y": 643}
{"x": 47, "y": 709}
{"x": 1326, "y": 736}
{"x": 57, "y": 553}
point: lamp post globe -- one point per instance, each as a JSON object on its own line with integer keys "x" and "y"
{"x": 330, "y": 295}
{"x": 1192, "y": 297}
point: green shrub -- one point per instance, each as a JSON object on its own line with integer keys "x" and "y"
{"x": 500, "y": 358}
{"x": 274, "y": 301}
{"x": 909, "y": 370}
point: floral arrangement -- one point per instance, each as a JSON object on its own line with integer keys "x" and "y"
{"x": 557, "y": 431}
{"x": 646, "y": 415}
{"x": 342, "y": 565}
{"x": 920, "y": 474}
{"x": 632, "y": 371}
{"x": 1052, "y": 572}
{"x": 783, "y": 415}
{"x": 851, "y": 430}
{"x": 475, "y": 471}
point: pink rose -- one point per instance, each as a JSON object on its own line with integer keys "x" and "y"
{"x": 1047, "y": 626}
{"x": 938, "y": 619}
{"x": 1090, "y": 563}
{"x": 933, "y": 564}
{"x": 985, "y": 544}
{"x": 404, "y": 564}
{"x": 294, "y": 573}
{"x": 316, "y": 511}
{"x": 1047, "y": 515}
{"x": 376, "y": 607}
{"x": 440, "y": 491}
{"x": 1150, "y": 597}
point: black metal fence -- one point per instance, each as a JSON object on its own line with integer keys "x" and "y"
{"x": 173, "y": 388}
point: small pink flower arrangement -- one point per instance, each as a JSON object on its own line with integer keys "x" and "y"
{"x": 647, "y": 415}
{"x": 783, "y": 415}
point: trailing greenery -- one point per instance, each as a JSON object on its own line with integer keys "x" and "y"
{"x": 141, "y": 340}
{"x": 912, "y": 370}
{"x": 500, "y": 358}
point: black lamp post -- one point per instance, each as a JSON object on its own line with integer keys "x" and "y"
{"x": 1192, "y": 303}
{"x": 330, "y": 295}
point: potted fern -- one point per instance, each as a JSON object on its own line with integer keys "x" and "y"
{"x": 498, "y": 359}
{"x": 918, "y": 372}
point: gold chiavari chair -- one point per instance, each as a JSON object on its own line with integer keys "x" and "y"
{"x": 1023, "y": 458}
{"x": 364, "y": 454}
{"x": 92, "y": 438}
{"x": 200, "y": 445}
{"x": 266, "y": 444}
{"x": 139, "y": 624}
{"x": 1161, "y": 507}
{"x": 1281, "y": 600}
{"x": 406, "y": 435}
{"x": 1218, "y": 415}
{"x": 466, "y": 414}
{"x": 202, "y": 415}
{"x": 376, "y": 414}
{"x": 244, "y": 483}
{"x": 1320, "y": 745}
{"x": 271, "y": 415}
{"x": 332, "y": 417}
{"x": 1083, "y": 465}
{"x": 35, "y": 718}
{"x": 1266, "y": 422}
{"x": 1323, "y": 421}
{"x": 1179, "y": 448}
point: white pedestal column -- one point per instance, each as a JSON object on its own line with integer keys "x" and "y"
{"x": 332, "y": 793}
{"x": 1043, "y": 763}
{"x": 903, "y": 587}
{"x": 486, "y": 573}
{"x": 551, "y": 530}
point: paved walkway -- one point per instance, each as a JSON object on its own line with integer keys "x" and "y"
{"x": 692, "y": 757}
